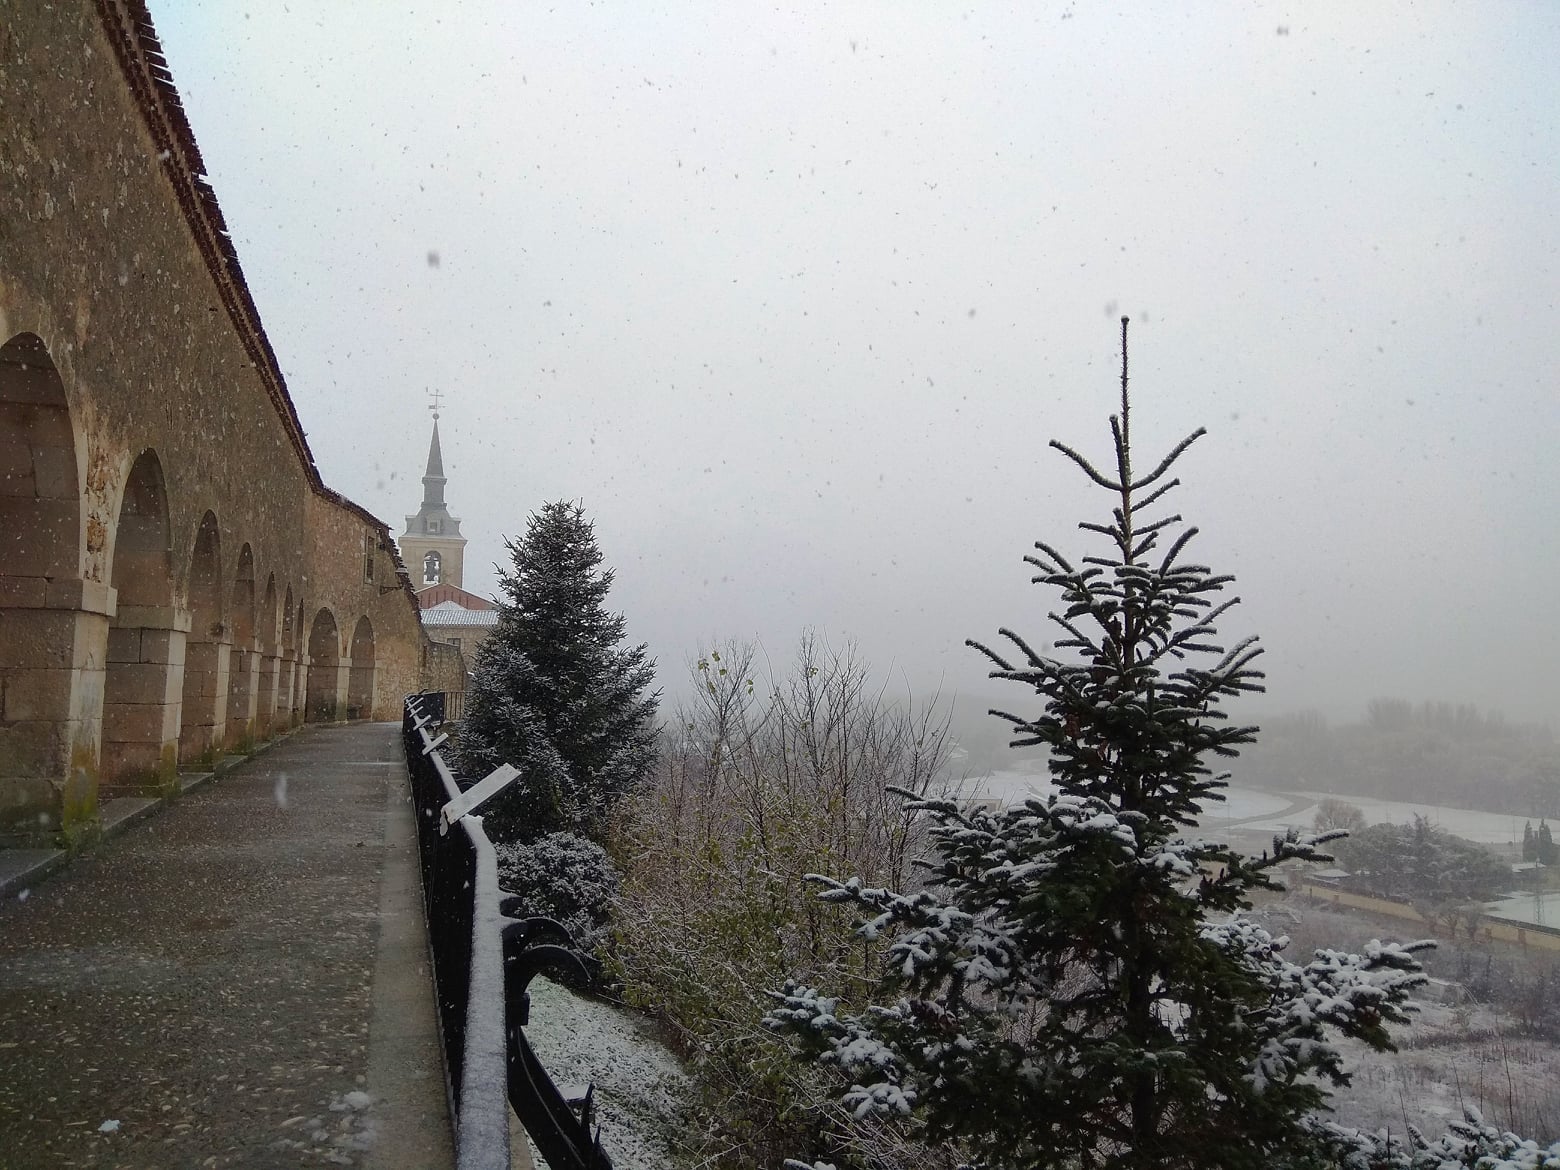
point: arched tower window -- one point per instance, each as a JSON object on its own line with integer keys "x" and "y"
{"x": 431, "y": 569}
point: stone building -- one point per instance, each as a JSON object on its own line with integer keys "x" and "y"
{"x": 435, "y": 554}
{"x": 432, "y": 546}
{"x": 177, "y": 578}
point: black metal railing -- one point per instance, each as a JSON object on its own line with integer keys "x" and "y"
{"x": 483, "y": 961}
{"x": 443, "y": 706}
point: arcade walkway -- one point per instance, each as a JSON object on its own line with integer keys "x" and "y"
{"x": 238, "y": 981}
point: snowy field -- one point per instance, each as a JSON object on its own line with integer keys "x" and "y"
{"x": 1484, "y": 827}
{"x": 1273, "y": 812}
{"x": 1449, "y": 1059}
{"x": 1543, "y": 909}
{"x": 1010, "y": 787}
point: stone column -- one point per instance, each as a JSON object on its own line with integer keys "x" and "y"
{"x": 343, "y": 685}
{"x": 53, "y": 646}
{"x": 243, "y": 695}
{"x": 143, "y": 698}
{"x": 286, "y": 684}
{"x": 206, "y": 666}
{"x": 266, "y": 717}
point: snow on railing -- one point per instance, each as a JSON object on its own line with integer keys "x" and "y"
{"x": 483, "y": 960}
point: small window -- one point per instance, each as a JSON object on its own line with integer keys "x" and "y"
{"x": 432, "y": 569}
{"x": 433, "y": 526}
{"x": 370, "y": 545}
{"x": 455, "y": 642}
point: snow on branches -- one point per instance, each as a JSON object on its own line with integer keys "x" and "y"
{"x": 1469, "y": 1144}
{"x": 1074, "y": 981}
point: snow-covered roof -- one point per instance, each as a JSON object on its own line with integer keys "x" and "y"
{"x": 1331, "y": 875}
{"x": 447, "y": 613}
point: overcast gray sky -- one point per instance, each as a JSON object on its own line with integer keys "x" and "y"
{"x": 792, "y": 297}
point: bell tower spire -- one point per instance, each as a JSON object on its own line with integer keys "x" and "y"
{"x": 432, "y": 545}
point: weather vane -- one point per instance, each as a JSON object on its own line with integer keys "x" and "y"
{"x": 436, "y": 395}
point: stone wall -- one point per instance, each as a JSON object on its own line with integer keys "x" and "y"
{"x": 174, "y": 552}
{"x": 444, "y": 669}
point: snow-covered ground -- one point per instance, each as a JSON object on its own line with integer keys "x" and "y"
{"x": 1485, "y": 827}
{"x": 1449, "y": 1059}
{"x": 1273, "y": 812}
{"x": 1542, "y": 909}
{"x": 1010, "y": 786}
{"x": 639, "y": 1084}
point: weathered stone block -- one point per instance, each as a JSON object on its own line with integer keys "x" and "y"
{"x": 134, "y": 723}
{"x": 38, "y": 638}
{"x": 19, "y": 592}
{"x": 29, "y": 809}
{"x": 155, "y": 617}
{"x": 54, "y": 473}
{"x": 136, "y": 683}
{"x": 53, "y": 527}
{"x": 87, "y": 596}
{"x": 35, "y": 748}
{"x": 163, "y": 646}
{"x": 38, "y": 694}
{"x": 124, "y": 645}
{"x": 15, "y": 462}
{"x": 130, "y": 760}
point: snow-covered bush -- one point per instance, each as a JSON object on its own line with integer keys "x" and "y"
{"x": 1075, "y": 984}
{"x": 1467, "y": 1145}
{"x": 565, "y": 877}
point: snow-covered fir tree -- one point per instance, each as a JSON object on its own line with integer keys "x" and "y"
{"x": 1076, "y": 984}
{"x": 554, "y": 691}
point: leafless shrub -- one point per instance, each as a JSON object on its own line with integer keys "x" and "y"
{"x": 764, "y": 779}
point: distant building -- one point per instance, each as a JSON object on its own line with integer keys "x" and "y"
{"x": 432, "y": 546}
{"x": 435, "y": 556}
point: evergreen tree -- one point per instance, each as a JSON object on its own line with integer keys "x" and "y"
{"x": 1075, "y": 984}
{"x": 1544, "y": 845}
{"x": 553, "y": 692}
{"x": 1529, "y": 842}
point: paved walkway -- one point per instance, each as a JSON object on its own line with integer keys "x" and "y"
{"x": 241, "y": 981}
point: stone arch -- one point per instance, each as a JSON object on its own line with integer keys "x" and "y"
{"x": 360, "y": 679}
{"x": 142, "y": 571}
{"x": 287, "y": 683}
{"x": 325, "y": 669}
{"x": 53, "y": 624}
{"x": 301, "y": 650}
{"x": 268, "y": 646}
{"x": 289, "y": 626}
{"x": 40, "y": 492}
{"x": 207, "y": 650}
{"x": 144, "y": 676}
{"x": 244, "y": 665}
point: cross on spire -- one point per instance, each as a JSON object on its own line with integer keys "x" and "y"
{"x": 435, "y": 395}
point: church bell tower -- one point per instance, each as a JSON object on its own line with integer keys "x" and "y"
{"x": 432, "y": 546}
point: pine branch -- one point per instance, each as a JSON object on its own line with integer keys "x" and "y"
{"x": 1061, "y": 561}
{"x": 1088, "y": 468}
{"x": 1152, "y": 498}
{"x": 1165, "y": 463}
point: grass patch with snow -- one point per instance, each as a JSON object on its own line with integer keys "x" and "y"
{"x": 640, "y": 1087}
